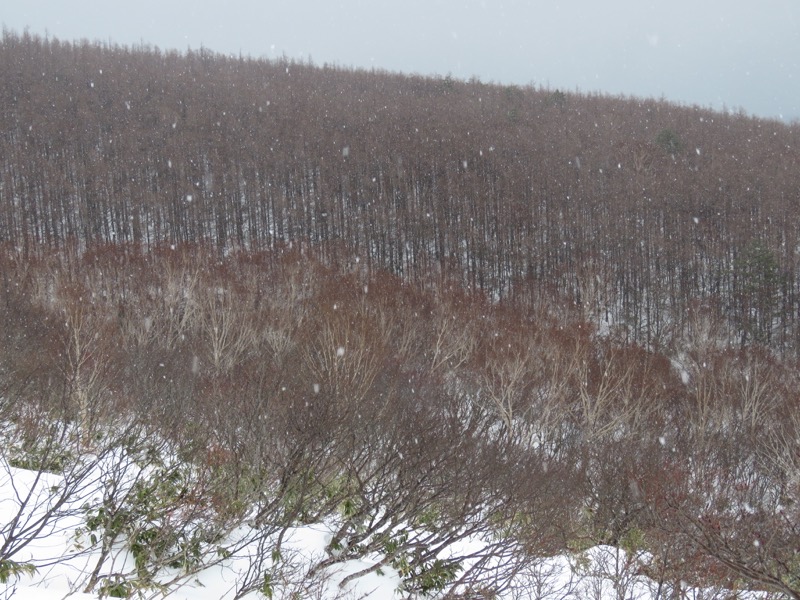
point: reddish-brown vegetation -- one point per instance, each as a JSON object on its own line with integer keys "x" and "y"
{"x": 551, "y": 320}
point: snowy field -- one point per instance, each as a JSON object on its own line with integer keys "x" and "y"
{"x": 57, "y": 543}
{"x": 63, "y": 555}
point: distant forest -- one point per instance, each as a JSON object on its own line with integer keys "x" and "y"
{"x": 636, "y": 215}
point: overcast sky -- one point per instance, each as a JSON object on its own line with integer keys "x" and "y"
{"x": 718, "y": 53}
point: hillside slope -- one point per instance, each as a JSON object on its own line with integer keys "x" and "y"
{"x": 637, "y": 210}
{"x": 240, "y": 297}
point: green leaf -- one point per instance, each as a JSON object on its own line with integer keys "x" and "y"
{"x": 10, "y": 569}
{"x": 266, "y": 587}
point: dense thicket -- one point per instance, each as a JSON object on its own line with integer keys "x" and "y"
{"x": 636, "y": 212}
{"x": 410, "y": 419}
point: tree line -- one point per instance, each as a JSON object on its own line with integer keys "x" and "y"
{"x": 636, "y": 213}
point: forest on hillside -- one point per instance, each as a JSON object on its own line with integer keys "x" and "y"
{"x": 636, "y": 212}
{"x": 420, "y": 309}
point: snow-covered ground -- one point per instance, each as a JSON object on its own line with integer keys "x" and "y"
{"x": 64, "y": 557}
{"x": 28, "y": 498}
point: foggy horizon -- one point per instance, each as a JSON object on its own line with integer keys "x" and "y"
{"x": 723, "y": 56}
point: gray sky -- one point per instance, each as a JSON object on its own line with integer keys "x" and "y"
{"x": 731, "y": 53}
